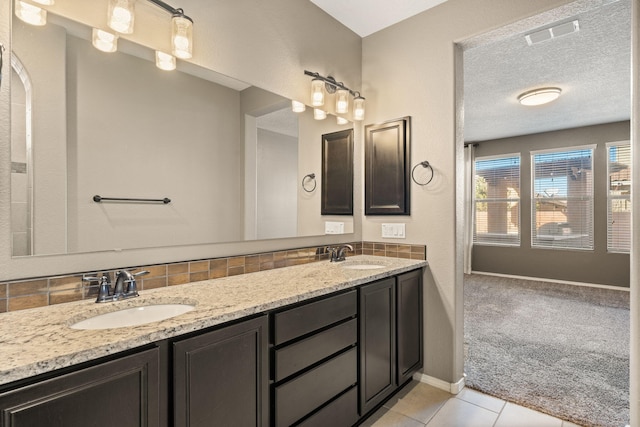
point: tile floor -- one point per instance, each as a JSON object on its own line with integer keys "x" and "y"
{"x": 419, "y": 405}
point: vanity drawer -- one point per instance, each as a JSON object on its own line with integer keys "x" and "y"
{"x": 301, "y": 320}
{"x": 295, "y": 357}
{"x": 298, "y": 397}
{"x": 342, "y": 412}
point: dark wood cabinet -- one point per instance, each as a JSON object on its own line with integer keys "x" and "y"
{"x": 387, "y": 162}
{"x": 337, "y": 173}
{"x": 315, "y": 362}
{"x": 391, "y": 341}
{"x": 220, "y": 378}
{"x": 377, "y": 343}
{"x": 410, "y": 326}
{"x": 122, "y": 392}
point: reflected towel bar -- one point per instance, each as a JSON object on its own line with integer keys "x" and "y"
{"x": 99, "y": 199}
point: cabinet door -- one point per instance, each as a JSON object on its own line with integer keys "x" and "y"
{"x": 410, "y": 347}
{"x": 377, "y": 343}
{"x": 122, "y": 392}
{"x": 221, "y": 377}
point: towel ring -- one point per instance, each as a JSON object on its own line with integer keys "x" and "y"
{"x": 424, "y": 164}
{"x": 311, "y": 177}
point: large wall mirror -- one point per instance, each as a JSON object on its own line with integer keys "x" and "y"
{"x": 230, "y": 156}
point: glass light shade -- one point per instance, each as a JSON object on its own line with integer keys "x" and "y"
{"x": 120, "y": 15}
{"x": 317, "y": 93}
{"x": 319, "y": 114}
{"x": 539, "y": 96}
{"x": 45, "y": 2}
{"x": 342, "y": 101}
{"x": 164, "y": 61}
{"x": 297, "y": 107}
{"x": 182, "y": 37}
{"x": 358, "y": 108}
{"x": 31, "y": 14}
{"x": 104, "y": 41}
{"x": 341, "y": 120}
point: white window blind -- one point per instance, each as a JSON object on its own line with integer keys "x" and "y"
{"x": 497, "y": 200}
{"x": 619, "y": 197}
{"x": 562, "y": 205}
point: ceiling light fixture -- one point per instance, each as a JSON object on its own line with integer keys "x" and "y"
{"x": 321, "y": 84}
{"x": 539, "y": 96}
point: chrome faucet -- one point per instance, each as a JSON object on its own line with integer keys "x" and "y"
{"x": 125, "y": 286}
{"x": 338, "y": 254}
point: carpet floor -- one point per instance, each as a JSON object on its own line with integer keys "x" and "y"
{"x": 556, "y": 348}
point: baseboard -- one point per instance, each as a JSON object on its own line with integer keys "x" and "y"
{"x": 453, "y": 388}
{"x": 544, "y": 279}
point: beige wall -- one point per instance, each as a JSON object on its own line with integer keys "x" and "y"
{"x": 409, "y": 70}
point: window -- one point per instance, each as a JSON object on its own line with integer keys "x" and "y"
{"x": 497, "y": 200}
{"x": 562, "y": 205}
{"x": 619, "y": 197}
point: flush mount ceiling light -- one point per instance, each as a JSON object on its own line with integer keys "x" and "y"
{"x": 539, "y": 96}
{"x": 321, "y": 84}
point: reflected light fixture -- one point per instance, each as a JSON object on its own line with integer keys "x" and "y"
{"x": 341, "y": 120}
{"x": 320, "y": 84}
{"x": 104, "y": 40}
{"x": 45, "y": 2}
{"x": 164, "y": 61}
{"x": 31, "y": 14}
{"x": 181, "y": 35}
{"x": 539, "y": 96}
{"x": 319, "y": 114}
{"x": 297, "y": 106}
{"x": 121, "y": 15}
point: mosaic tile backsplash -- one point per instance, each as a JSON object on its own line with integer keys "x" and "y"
{"x": 38, "y": 292}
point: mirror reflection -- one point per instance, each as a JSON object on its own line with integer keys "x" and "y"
{"x": 229, "y": 156}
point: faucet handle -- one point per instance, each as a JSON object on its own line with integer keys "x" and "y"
{"x": 132, "y": 286}
{"x": 104, "y": 290}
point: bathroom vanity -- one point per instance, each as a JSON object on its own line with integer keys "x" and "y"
{"x": 314, "y": 345}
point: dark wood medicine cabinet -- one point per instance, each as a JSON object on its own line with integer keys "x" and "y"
{"x": 337, "y": 173}
{"x": 387, "y": 163}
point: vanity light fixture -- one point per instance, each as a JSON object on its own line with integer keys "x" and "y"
{"x": 320, "y": 84}
{"x": 539, "y": 96}
{"x": 297, "y": 106}
{"x": 104, "y": 40}
{"x": 319, "y": 114}
{"x": 31, "y": 14}
{"x": 121, "y": 15}
{"x": 341, "y": 120}
{"x": 45, "y": 2}
{"x": 164, "y": 61}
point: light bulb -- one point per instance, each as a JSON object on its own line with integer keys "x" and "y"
{"x": 181, "y": 36}
{"x": 104, "y": 41}
{"x": 358, "y": 108}
{"x": 341, "y": 120}
{"x": 297, "y": 107}
{"x": 317, "y": 93}
{"x": 121, "y": 15}
{"x": 164, "y": 61}
{"x": 342, "y": 101}
{"x": 319, "y": 114}
{"x": 31, "y": 14}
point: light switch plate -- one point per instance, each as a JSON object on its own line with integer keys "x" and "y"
{"x": 331, "y": 227}
{"x": 393, "y": 231}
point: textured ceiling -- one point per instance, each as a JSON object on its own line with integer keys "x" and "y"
{"x": 592, "y": 67}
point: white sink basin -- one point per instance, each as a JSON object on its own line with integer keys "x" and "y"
{"x": 362, "y": 266}
{"x": 133, "y": 316}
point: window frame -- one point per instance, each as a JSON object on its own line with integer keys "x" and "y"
{"x": 608, "y": 145}
{"x": 533, "y": 211}
{"x": 517, "y": 239}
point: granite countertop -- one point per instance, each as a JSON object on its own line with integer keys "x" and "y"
{"x": 40, "y": 340}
